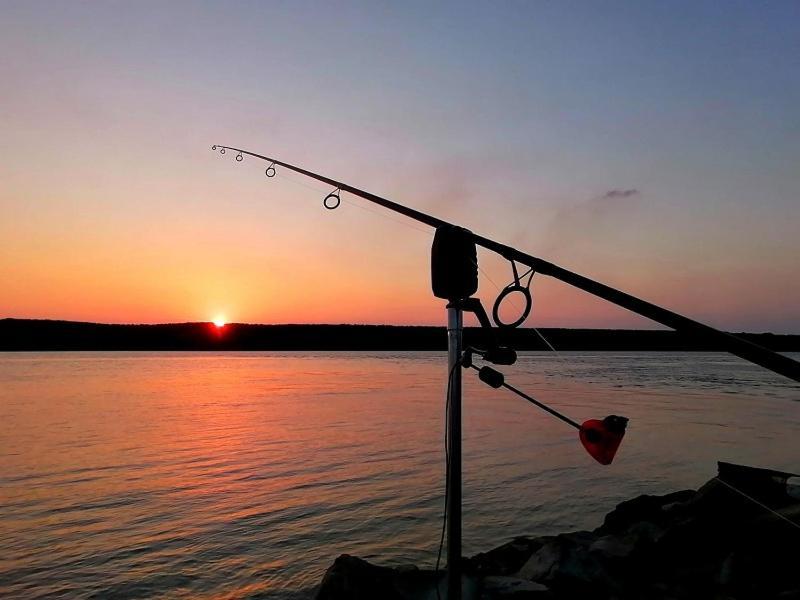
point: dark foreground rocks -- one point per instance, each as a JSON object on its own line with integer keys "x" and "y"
{"x": 737, "y": 537}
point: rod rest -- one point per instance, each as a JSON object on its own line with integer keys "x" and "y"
{"x": 495, "y": 353}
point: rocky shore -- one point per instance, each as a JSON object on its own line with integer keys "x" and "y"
{"x": 738, "y": 536}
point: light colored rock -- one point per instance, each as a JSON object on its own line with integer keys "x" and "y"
{"x": 500, "y": 587}
{"x": 541, "y": 563}
{"x": 793, "y": 487}
{"x": 613, "y": 546}
{"x": 726, "y": 571}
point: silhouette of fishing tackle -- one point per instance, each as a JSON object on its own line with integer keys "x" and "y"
{"x": 454, "y": 278}
{"x": 600, "y": 438}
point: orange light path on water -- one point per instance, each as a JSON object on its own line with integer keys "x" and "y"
{"x": 257, "y": 469}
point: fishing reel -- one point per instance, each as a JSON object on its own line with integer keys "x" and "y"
{"x": 454, "y": 273}
{"x": 454, "y": 277}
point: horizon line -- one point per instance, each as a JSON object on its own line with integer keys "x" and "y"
{"x": 251, "y": 324}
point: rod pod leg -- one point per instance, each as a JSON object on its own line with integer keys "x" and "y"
{"x": 455, "y": 328}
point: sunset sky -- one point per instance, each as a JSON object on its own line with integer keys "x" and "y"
{"x": 652, "y": 146}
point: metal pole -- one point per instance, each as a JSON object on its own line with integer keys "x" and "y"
{"x": 455, "y": 327}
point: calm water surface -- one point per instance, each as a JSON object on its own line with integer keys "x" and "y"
{"x": 243, "y": 475}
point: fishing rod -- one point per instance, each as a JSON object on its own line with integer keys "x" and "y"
{"x": 740, "y": 347}
{"x": 454, "y": 277}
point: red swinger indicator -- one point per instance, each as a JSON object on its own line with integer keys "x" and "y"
{"x": 602, "y": 438}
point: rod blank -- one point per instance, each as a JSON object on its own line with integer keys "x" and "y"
{"x": 742, "y": 348}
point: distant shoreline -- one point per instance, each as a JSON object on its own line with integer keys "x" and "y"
{"x": 50, "y": 335}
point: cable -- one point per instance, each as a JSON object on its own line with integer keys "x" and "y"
{"x": 447, "y": 472}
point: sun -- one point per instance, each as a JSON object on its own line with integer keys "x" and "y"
{"x": 219, "y": 321}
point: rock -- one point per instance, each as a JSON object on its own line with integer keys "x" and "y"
{"x": 715, "y": 501}
{"x": 726, "y": 569}
{"x": 659, "y": 510}
{"x": 765, "y": 485}
{"x": 569, "y": 567}
{"x": 644, "y": 535}
{"x": 505, "y": 559}
{"x": 352, "y": 578}
{"x": 497, "y": 587}
{"x": 407, "y": 568}
{"x": 793, "y": 488}
{"x": 614, "y": 547}
{"x": 710, "y": 543}
{"x": 539, "y": 566}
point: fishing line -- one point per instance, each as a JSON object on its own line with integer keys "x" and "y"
{"x": 350, "y": 202}
{"x": 764, "y": 506}
{"x": 496, "y": 380}
{"x": 754, "y": 353}
{"x": 291, "y": 179}
{"x": 427, "y": 232}
{"x": 515, "y": 305}
{"x": 455, "y": 280}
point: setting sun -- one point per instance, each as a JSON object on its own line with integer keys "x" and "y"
{"x": 219, "y": 321}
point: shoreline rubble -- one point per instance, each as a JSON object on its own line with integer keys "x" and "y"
{"x": 732, "y": 538}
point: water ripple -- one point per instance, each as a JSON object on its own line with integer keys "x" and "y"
{"x": 242, "y": 475}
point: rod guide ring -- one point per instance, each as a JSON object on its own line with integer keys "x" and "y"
{"x": 510, "y": 289}
{"x": 332, "y": 200}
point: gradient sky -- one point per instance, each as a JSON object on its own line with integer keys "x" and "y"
{"x": 652, "y": 146}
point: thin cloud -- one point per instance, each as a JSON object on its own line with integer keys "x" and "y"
{"x": 621, "y": 193}
{"x": 599, "y": 218}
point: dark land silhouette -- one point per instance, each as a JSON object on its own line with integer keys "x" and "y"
{"x": 38, "y": 335}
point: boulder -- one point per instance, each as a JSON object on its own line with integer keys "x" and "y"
{"x": 614, "y": 547}
{"x": 656, "y": 510}
{"x": 496, "y": 587}
{"x": 718, "y": 542}
{"x": 352, "y": 578}
{"x": 570, "y": 567}
{"x": 506, "y": 559}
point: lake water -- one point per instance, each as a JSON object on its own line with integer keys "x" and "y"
{"x": 243, "y": 475}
